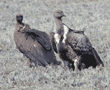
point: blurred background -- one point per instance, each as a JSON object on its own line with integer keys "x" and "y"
{"x": 91, "y": 15}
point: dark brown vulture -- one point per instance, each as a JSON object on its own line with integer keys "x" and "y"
{"x": 34, "y": 44}
{"x": 66, "y": 41}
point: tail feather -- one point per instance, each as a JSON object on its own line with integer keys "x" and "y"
{"x": 96, "y": 56}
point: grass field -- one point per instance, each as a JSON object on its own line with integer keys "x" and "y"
{"x": 91, "y": 15}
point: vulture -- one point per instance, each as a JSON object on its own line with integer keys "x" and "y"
{"x": 73, "y": 45}
{"x": 34, "y": 44}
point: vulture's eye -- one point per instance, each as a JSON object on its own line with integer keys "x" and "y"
{"x": 62, "y": 12}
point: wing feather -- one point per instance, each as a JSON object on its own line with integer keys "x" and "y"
{"x": 97, "y": 58}
{"x": 78, "y": 41}
{"x": 53, "y": 41}
{"x": 41, "y": 37}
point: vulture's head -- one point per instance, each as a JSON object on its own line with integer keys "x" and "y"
{"x": 58, "y": 14}
{"x": 19, "y": 18}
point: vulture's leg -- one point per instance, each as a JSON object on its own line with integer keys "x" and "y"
{"x": 77, "y": 62}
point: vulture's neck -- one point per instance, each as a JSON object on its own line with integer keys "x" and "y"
{"x": 20, "y": 23}
{"x": 58, "y": 25}
{"x": 19, "y": 26}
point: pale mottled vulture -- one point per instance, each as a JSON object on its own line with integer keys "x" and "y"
{"x": 66, "y": 40}
{"x": 33, "y": 44}
{"x": 65, "y": 52}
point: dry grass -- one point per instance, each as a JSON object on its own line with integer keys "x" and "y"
{"x": 93, "y": 15}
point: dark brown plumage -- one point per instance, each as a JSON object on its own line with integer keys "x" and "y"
{"x": 33, "y": 44}
{"x": 75, "y": 41}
